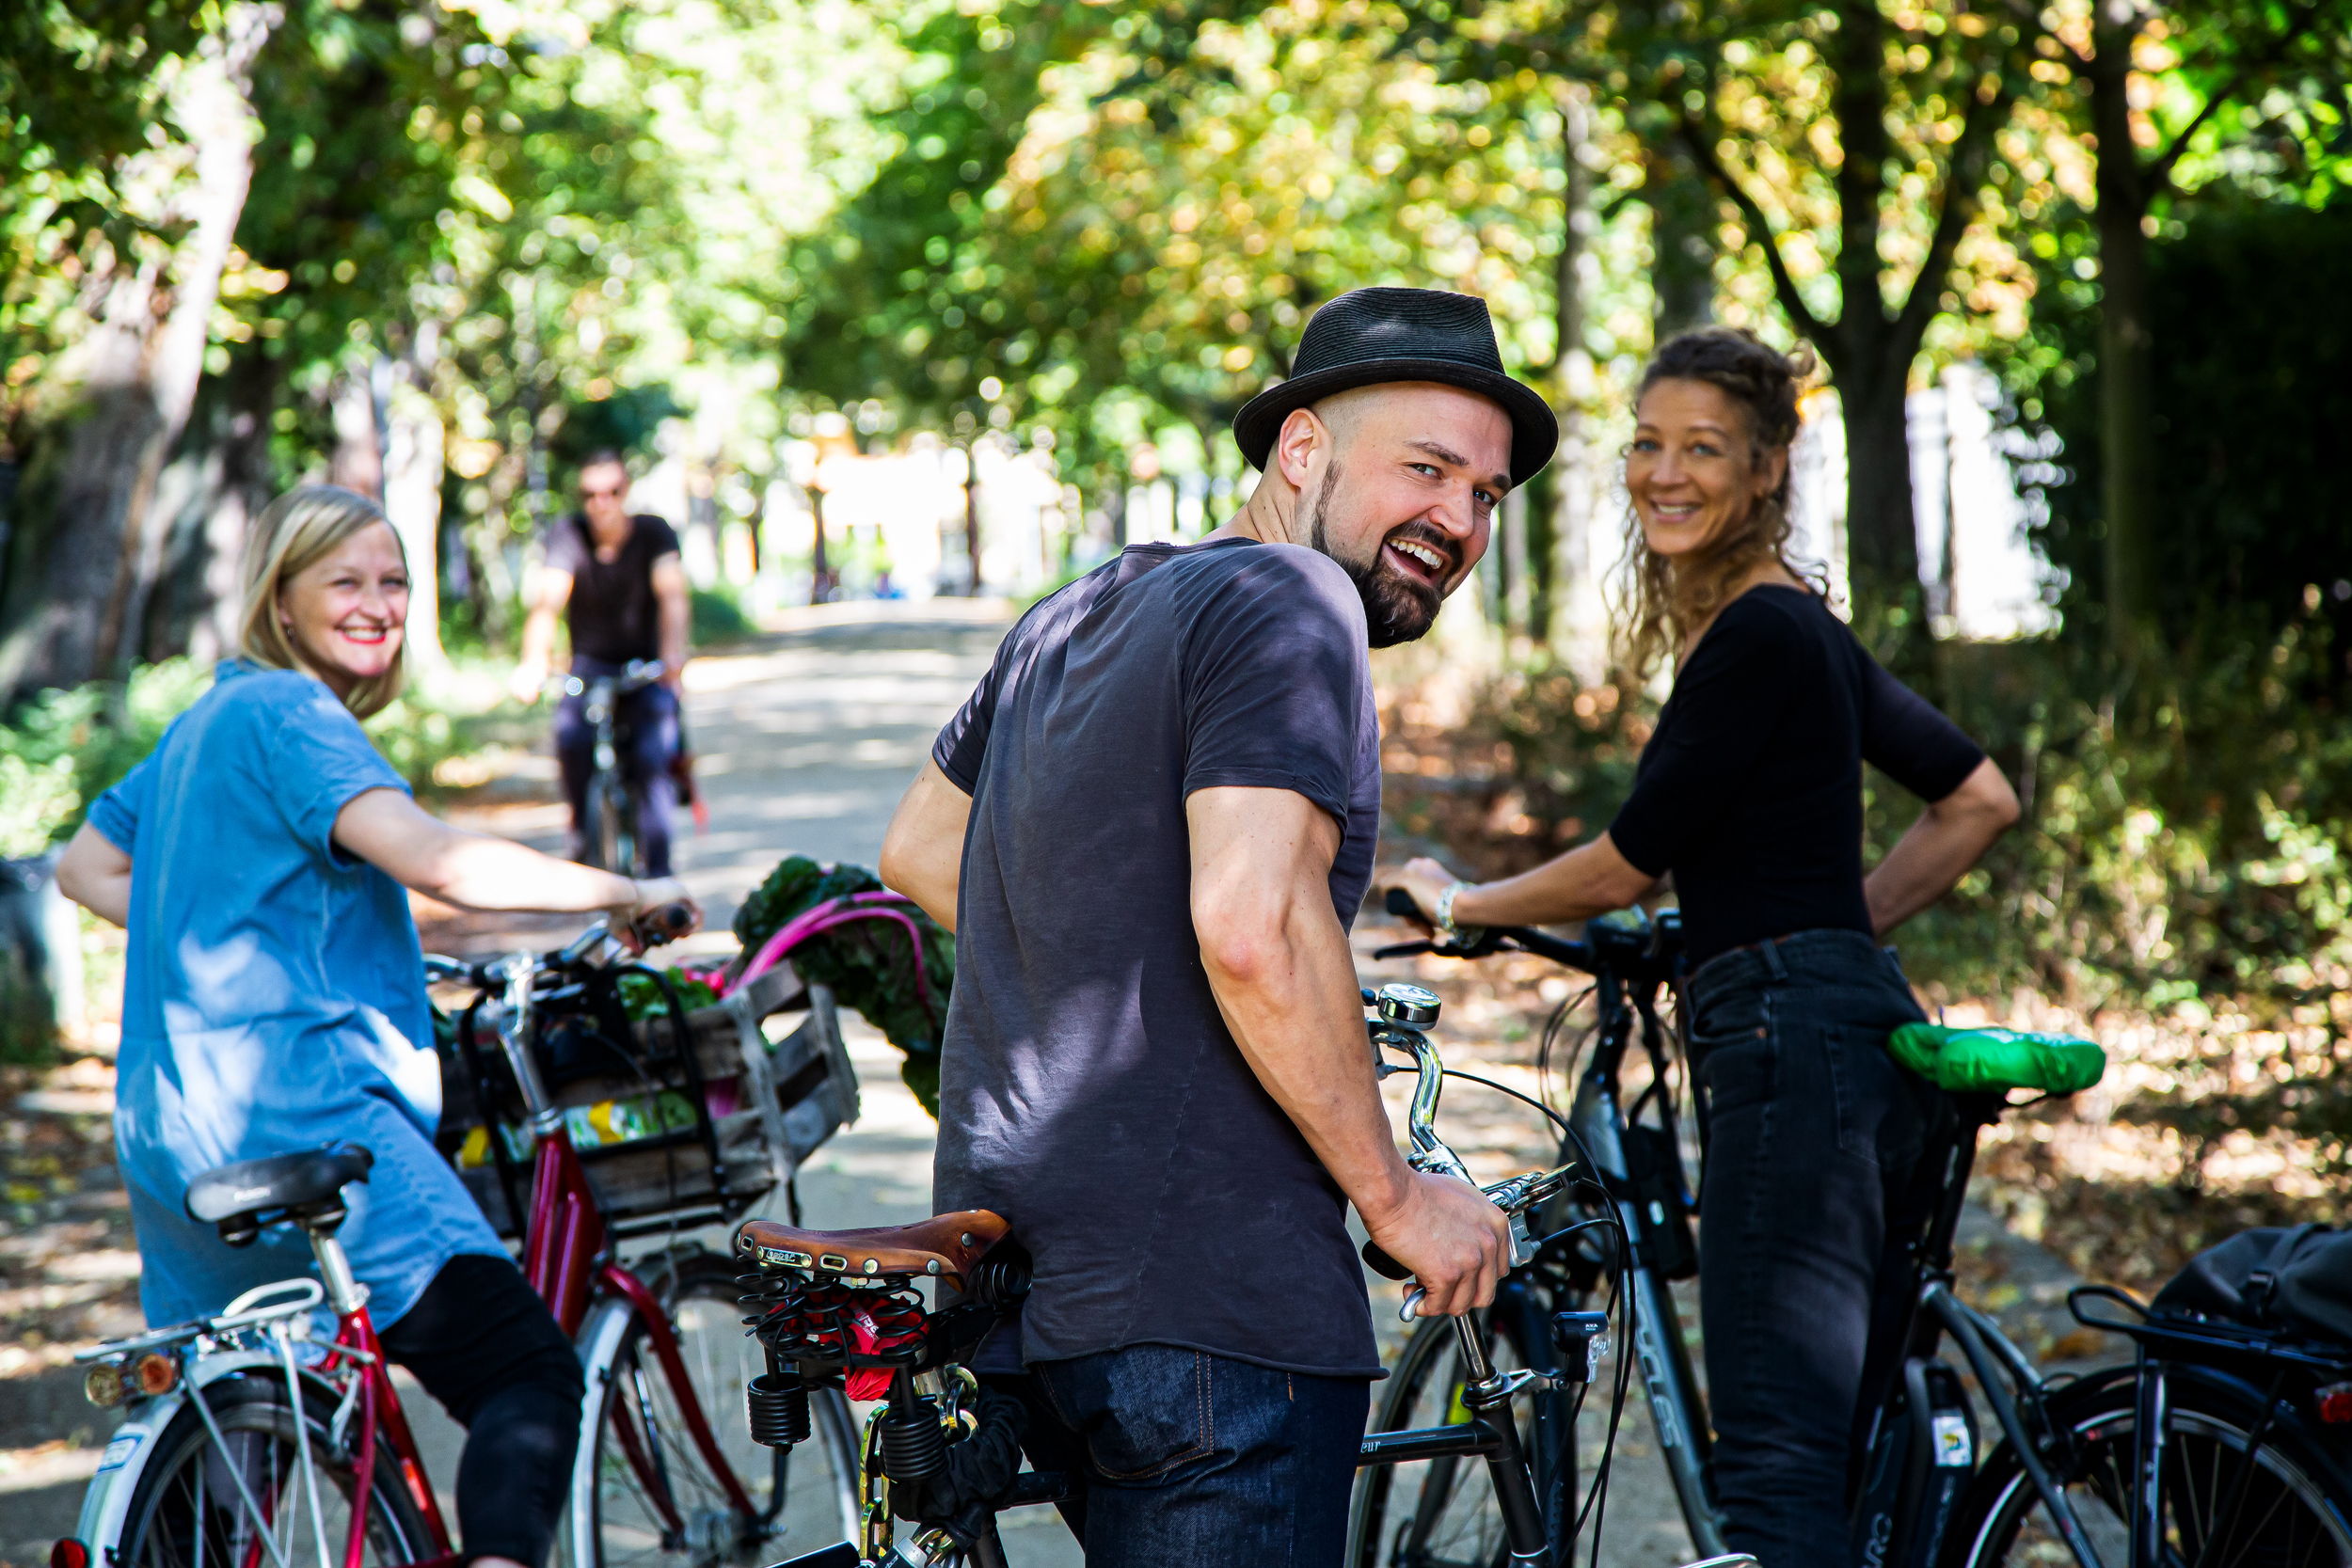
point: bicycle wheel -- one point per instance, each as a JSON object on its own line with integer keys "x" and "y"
{"x": 1437, "y": 1513}
{"x": 607, "y": 844}
{"x": 2290, "y": 1502}
{"x": 657, "y": 1498}
{"x": 198, "y": 1502}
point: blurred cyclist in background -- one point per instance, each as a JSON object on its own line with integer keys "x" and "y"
{"x": 616, "y": 579}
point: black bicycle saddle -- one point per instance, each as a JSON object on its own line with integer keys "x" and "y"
{"x": 252, "y": 1188}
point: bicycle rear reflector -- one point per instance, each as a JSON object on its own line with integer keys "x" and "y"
{"x": 69, "y": 1553}
{"x": 2334, "y": 1404}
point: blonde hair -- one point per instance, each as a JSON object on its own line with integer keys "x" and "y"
{"x": 291, "y": 534}
{"x": 1661, "y": 600}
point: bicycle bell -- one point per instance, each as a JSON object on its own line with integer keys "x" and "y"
{"x": 1399, "y": 1003}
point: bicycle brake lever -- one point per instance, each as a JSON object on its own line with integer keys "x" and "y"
{"x": 1413, "y": 1298}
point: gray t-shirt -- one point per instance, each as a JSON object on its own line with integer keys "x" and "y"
{"x": 1089, "y": 1091}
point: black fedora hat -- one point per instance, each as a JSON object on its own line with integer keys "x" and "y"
{"x": 1368, "y": 335}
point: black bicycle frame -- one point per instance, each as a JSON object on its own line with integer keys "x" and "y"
{"x": 1491, "y": 1435}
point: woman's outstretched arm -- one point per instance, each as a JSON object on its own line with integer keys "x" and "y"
{"x": 1592, "y": 879}
{"x": 1951, "y": 835}
{"x": 476, "y": 871}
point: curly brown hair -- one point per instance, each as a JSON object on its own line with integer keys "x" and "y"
{"x": 1658, "y": 601}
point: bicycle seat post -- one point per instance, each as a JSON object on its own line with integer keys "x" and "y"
{"x": 344, "y": 1293}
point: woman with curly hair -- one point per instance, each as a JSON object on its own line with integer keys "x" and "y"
{"x": 1749, "y": 795}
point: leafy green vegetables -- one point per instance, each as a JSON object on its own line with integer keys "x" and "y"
{"x": 868, "y": 964}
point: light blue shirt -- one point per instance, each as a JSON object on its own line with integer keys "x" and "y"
{"x": 275, "y": 1000}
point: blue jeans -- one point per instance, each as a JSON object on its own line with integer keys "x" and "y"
{"x": 1182, "y": 1458}
{"x": 1813, "y": 1136}
{"x": 645, "y": 730}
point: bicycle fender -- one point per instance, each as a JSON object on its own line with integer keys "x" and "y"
{"x": 600, "y": 1345}
{"x": 106, "y": 1506}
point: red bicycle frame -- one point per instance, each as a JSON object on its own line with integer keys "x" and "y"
{"x": 564, "y": 1256}
{"x": 565, "y": 1249}
{"x": 562, "y": 1242}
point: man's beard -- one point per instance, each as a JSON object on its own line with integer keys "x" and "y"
{"x": 1397, "y": 609}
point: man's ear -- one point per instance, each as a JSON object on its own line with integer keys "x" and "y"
{"x": 1297, "y": 443}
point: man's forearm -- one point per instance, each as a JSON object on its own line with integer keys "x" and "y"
{"x": 539, "y": 636}
{"x": 677, "y": 618}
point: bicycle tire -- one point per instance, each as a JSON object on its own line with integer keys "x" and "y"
{"x": 1412, "y": 1515}
{"x": 178, "y": 1500}
{"x": 606, "y": 844}
{"x": 2293, "y": 1513}
{"x": 817, "y": 1480}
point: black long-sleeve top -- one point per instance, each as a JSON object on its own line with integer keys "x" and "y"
{"x": 1750, "y": 792}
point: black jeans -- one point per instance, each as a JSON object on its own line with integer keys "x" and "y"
{"x": 1813, "y": 1136}
{"x": 484, "y": 1345}
{"x": 1182, "y": 1458}
{"x": 650, "y": 717}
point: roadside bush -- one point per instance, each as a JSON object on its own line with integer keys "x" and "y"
{"x": 719, "y": 617}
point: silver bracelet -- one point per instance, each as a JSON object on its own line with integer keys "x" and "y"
{"x": 1445, "y": 914}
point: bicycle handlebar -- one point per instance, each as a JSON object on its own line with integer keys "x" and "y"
{"x": 635, "y": 676}
{"x": 1631, "y": 951}
{"x": 664, "y": 924}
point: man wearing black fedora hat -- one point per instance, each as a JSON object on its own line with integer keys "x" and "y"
{"x": 1151, "y": 826}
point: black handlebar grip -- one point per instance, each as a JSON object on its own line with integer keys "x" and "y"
{"x": 665, "y": 923}
{"x": 1400, "y": 904}
{"x": 1379, "y": 1261}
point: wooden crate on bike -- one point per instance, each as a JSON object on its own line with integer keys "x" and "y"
{"x": 770, "y": 1104}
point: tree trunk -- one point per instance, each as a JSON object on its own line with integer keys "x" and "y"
{"x": 229, "y": 525}
{"x": 412, "y": 503}
{"x": 2126, "y": 409}
{"x": 1881, "y": 537}
{"x": 1869, "y": 350}
{"x": 1683, "y": 219}
{"x": 1549, "y": 522}
{"x": 356, "y": 462}
{"x": 139, "y": 388}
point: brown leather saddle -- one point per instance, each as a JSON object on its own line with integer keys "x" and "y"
{"x": 946, "y": 1246}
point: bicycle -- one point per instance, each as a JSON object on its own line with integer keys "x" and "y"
{"x": 2212, "y": 1448}
{"x": 238, "y": 1449}
{"x": 2071, "y": 1479}
{"x": 609, "y": 822}
{"x": 834, "y": 1305}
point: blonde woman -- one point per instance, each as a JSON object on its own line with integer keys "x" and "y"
{"x": 1750, "y": 794}
{"x": 275, "y": 998}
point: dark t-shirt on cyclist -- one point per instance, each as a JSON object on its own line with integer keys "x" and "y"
{"x": 613, "y": 614}
{"x": 1750, "y": 791}
{"x": 1089, "y": 1090}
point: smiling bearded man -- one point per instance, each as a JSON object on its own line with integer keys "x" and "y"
{"x": 1151, "y": 828}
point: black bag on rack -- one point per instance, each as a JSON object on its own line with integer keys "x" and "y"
{"x": 2299, "y": 1278}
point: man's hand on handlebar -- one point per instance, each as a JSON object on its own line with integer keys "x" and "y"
{"x": 1456, "y": 1243}
{"x": 528, "y": 683}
